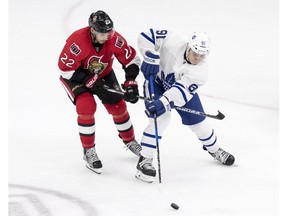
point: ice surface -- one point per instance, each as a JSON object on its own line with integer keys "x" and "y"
{"x": 47, "y": 175}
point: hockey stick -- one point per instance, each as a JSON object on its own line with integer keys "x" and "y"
{"x": 122, "y": 93}
{"x": 219, "y": 116}
{"x": 151, "y": 84}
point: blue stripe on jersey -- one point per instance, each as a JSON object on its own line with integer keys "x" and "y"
{"x": 180, "y": 88}
{"x": 148, "y": 145}
{"x": 177, "y": 83}
{"x": 208, "y": 137}
{"x": 152, "y": 40}
{"x": 151, "y": 135}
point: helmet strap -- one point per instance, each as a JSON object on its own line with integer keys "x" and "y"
{"x": 186, "y": 54}
{"x": 93, "y": 36}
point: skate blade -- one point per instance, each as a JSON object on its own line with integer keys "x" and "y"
{"x": 96, "y": 170}
{"x": 144, "y": 177}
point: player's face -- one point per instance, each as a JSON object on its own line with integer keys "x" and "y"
{"x": 194, "y": 58}
{"x": 103, "y": 37}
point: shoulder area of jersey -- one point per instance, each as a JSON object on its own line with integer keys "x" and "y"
{"x": 84, "y": 30}
{"x": 177, "y": 37}
{"x": 118, "y": 40}
{"x": 81, "y": 35}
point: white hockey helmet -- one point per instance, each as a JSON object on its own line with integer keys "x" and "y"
{"x": 200, "y": 43}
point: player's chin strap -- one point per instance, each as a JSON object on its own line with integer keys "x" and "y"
{"x": 219, "y": 116}
{"x": 151, "y": 84}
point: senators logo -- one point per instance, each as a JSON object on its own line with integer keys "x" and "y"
{"x": 95, "y": 65}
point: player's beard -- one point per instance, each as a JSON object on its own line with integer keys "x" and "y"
{"x": 101, "y": 41}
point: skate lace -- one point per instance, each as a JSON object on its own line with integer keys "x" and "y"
{"x": 221, "y": 155}
{"x": 91, "y": 155}
{"x": 133, "y": 146}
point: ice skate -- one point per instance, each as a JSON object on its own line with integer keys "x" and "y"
{"x": 145, "y": 170}
{"x": 134, "y": 147}
{"x": 224, "y": 157}
{"x": 93, "y": 162}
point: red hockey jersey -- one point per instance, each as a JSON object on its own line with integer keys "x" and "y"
{"x": 80, "y": 52}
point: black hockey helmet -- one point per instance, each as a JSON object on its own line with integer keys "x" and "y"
{"x": 100, "y": 22}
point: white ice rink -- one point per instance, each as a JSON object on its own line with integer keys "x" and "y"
{"x": 47, "y": 175}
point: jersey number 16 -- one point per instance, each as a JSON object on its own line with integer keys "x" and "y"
{"x": 161, "y": 34}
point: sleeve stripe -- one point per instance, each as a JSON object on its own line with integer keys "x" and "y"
{"x": 152, "y": 40}
{"x": 180, "y": 88}
{"x": 179, "y": 84}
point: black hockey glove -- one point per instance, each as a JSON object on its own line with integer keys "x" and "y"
{"x": 99, "y": 89}
{"x": 84, "y": 76}
{"x": 79, "y": 75}
{"x": 131, "y": 91}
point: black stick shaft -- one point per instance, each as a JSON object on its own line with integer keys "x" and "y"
{"x": 219, "y": 116}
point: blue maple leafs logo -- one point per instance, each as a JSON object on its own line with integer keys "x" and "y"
{"x": 167, "y": 81}
{"x": 170, "y": 78}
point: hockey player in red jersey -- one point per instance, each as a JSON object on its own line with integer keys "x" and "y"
{"x": 86, "y": 66}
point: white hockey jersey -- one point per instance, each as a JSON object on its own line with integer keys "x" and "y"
{"x": 179, "y": 78}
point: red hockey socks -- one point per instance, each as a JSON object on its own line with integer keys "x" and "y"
{"x": 121, "y": 120}
{"x": 86, "y": 107}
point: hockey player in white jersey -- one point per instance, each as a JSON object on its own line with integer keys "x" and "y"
{"x": 179, "y": 67}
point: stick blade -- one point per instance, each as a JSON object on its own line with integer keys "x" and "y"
{"x": 220, "y": 115}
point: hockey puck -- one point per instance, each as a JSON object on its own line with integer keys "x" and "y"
{"x": 174, "y": 206}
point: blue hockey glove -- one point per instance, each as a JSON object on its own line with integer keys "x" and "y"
{"x": 150, "y": 64}
{"x": 159, "y": 107}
